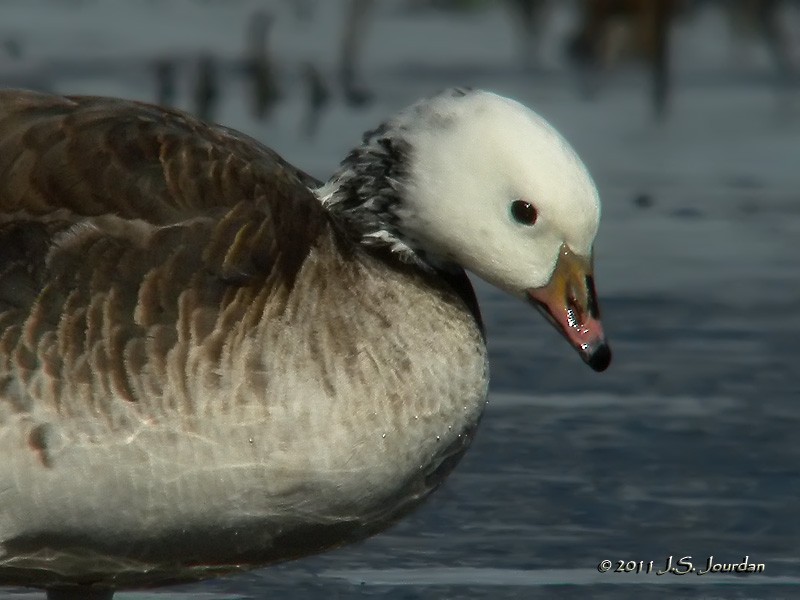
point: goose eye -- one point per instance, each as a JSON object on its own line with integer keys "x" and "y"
{"x": 523, "y": 212}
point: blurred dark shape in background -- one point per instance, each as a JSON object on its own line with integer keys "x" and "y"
{"x": 302, "y": 10}
{"x": 762, "y": 19}
{"x": 356, "y": 22}
{"x": 12, "y": 48}
{"x": 165, "y": 73}
{"x": 259, "y": 66}
{"x": 318, "y": 98}
{"x": 529, "y": 17}
{"x": 607, "y": 29}
{"x": 643, "y": 200}
{"x": 206, "y": 88}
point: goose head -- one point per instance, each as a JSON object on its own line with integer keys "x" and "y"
{"x": 474, "y": 180}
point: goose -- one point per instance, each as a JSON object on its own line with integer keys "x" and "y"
{"x": 211, "y": 361}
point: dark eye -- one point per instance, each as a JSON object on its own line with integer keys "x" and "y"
{"x": 523, "y": 212}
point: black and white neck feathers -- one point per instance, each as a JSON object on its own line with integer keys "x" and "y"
{"x": 370, "y": 190}
{"x": 367, "y": 191}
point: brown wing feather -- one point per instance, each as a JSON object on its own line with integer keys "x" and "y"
{"x": 126, "y": 229}
{"x": 71, "y": 161}
{"x": 96, "y": 156}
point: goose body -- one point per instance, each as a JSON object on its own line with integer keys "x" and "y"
{"x": 209, "y": 361}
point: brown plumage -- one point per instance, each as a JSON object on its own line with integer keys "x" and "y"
{"x": 174, "y": 302}
{"x": 125, "y": 227}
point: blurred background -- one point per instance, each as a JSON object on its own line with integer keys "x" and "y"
{"x": 688, "y": 115}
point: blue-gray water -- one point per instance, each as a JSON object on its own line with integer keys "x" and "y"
{"x": 687, "y": 446}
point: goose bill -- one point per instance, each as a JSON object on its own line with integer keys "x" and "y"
{"x": 569, "y": 302}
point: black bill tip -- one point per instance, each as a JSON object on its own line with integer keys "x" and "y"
{"x": 598, "y": 357}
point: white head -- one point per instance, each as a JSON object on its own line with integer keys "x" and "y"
{"x": 473, "y": 179}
